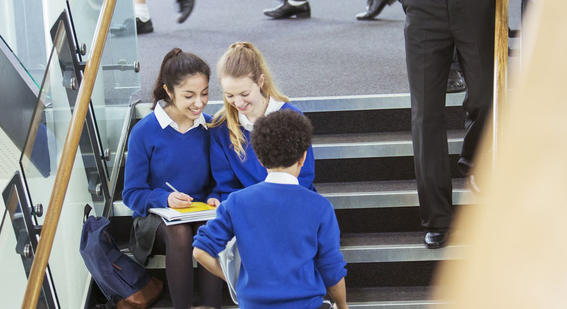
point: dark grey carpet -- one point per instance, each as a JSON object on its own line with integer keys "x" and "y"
{"x": 329, "y": 54}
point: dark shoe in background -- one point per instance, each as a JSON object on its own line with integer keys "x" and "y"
{"x": 144, "y": 27}
{"x": 286, "y": 10}
{"x": 465, "y": 167}
{"x": 456, "y": 82}
{"x": 435, "y": 240}
{"x": 373, "y": 9}
{"x": 185, "y": 9}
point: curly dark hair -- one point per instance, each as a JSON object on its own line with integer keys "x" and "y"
{"x": 281, "y": 138}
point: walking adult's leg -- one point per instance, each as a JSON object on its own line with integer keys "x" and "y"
{"x": 456, "y": 82}
{"x": 474, "y": 38}
{"x": 143, "y": 20}
{"x": 429, "y": 48}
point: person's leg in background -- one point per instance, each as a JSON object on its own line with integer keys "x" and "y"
{"x": 290, "y": 8}
{"x": 473, "y": 30}
{"x": 429, "y": 49}
{"x": 144, "y": 22}
{"x": 185, "y": 9}
{"x": 456, "y": 82}
{"x": 143, "y": 19}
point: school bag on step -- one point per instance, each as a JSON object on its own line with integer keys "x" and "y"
{"x": 123, "y": 282}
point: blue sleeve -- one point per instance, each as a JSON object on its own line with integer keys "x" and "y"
{"x": 307, "y": 173}
{"x": 137, "y": 193}
{"x": 225, "y": 178}
{"x": 213, "y": 236}
{"x": 329, "y": 260}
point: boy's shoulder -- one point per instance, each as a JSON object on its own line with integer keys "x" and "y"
{"x": 269, "y": 189}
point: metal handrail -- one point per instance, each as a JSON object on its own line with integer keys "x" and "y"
{"x": 500, "y": 71}
{"x": 67, "y": 160}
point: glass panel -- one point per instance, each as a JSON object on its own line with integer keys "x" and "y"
{"x": 16, "y": 264}
{"x": 21, "y": 26}
{"x": 39, "y": 162}
{"x": 118, "y": 82}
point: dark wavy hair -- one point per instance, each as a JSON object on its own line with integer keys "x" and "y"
{"x": 280, "y": 139}
{"x": 176, "y": 66}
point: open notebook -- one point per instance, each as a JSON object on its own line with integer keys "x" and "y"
{"x": 198, "y": 211}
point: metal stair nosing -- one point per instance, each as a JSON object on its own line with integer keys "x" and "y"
{"x": 413, "y": 304}
{"x": 359, "y": 200}
{"x": 388, "y": 199}
{"x": 375, "y": 149}
{"x": 333, "y": 103}
{"x": 399, "y": 253}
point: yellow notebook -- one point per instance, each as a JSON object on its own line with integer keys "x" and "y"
{"x": 195, "y": 206}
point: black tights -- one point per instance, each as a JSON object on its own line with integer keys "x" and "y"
{"x": 175, "y": 241}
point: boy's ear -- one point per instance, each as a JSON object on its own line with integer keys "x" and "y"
{"x": 302, "y": 159}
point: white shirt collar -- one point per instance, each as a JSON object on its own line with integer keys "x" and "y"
{"x": 281, "y": 177}
{"x": 164, "y": 119}
{"x": 273, "y": 106}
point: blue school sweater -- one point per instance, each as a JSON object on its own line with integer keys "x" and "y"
{"x": 157, "y": 155}
{"x": 231, "y": 173}
{"x": 289, "y": 242}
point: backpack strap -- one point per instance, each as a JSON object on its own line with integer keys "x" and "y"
{"x": 86, "y": 212}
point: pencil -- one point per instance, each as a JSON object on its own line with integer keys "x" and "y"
{"x": 172, "y": 188}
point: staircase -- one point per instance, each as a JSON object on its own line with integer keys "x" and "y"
{"x": 364, "y": 166}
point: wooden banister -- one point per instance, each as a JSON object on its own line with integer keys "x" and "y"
{"x": 81, "y": 106}
{"x": 500, "y": 71}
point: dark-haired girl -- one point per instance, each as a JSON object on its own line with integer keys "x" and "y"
{"x": 171, "y": 145}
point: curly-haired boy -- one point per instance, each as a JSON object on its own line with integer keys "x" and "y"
{"x": 287, "y": 235}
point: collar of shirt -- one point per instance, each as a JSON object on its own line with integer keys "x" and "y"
{"x": 164, "y": 119}
{"x": 281, "y": 177}
{"x": 273, "y": 106}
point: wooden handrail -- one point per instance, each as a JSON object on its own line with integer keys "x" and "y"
{"x": 500, "y": 71}
{"x": 49, "y": 228}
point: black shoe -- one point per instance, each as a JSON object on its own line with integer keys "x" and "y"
{"x": 373, "y": 8}
{"x": 465, "y": 166}
{"x": 185, "y": 9}
{"x": 286, "y": 10}
{"x": 456, "y": 82}
{"x": 434, "y": 240}
{"x": 144, "y": 27}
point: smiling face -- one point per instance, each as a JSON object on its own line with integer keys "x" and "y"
{"x": 190, "y": 97}
{"x": 244, "y": 94}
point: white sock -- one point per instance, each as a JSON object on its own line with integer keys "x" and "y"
{"x": 296, "y": 2}
{"x": 141, "y": 11}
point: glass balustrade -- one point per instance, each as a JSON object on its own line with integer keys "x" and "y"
{"x": 40, "y": 160}
{"x": 21, "y": 26}
{"x": 118, "y": 81}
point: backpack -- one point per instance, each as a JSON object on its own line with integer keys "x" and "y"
{"x": 122, "y": 281}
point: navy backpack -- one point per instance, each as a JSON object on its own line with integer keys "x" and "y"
{"x": 122, "y": 281}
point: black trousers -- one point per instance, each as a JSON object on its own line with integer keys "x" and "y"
{"x": 433, "y": 29}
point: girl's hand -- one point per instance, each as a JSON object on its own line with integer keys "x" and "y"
{"x": 179, "y": 200}
{"x": 213, "y": 202}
